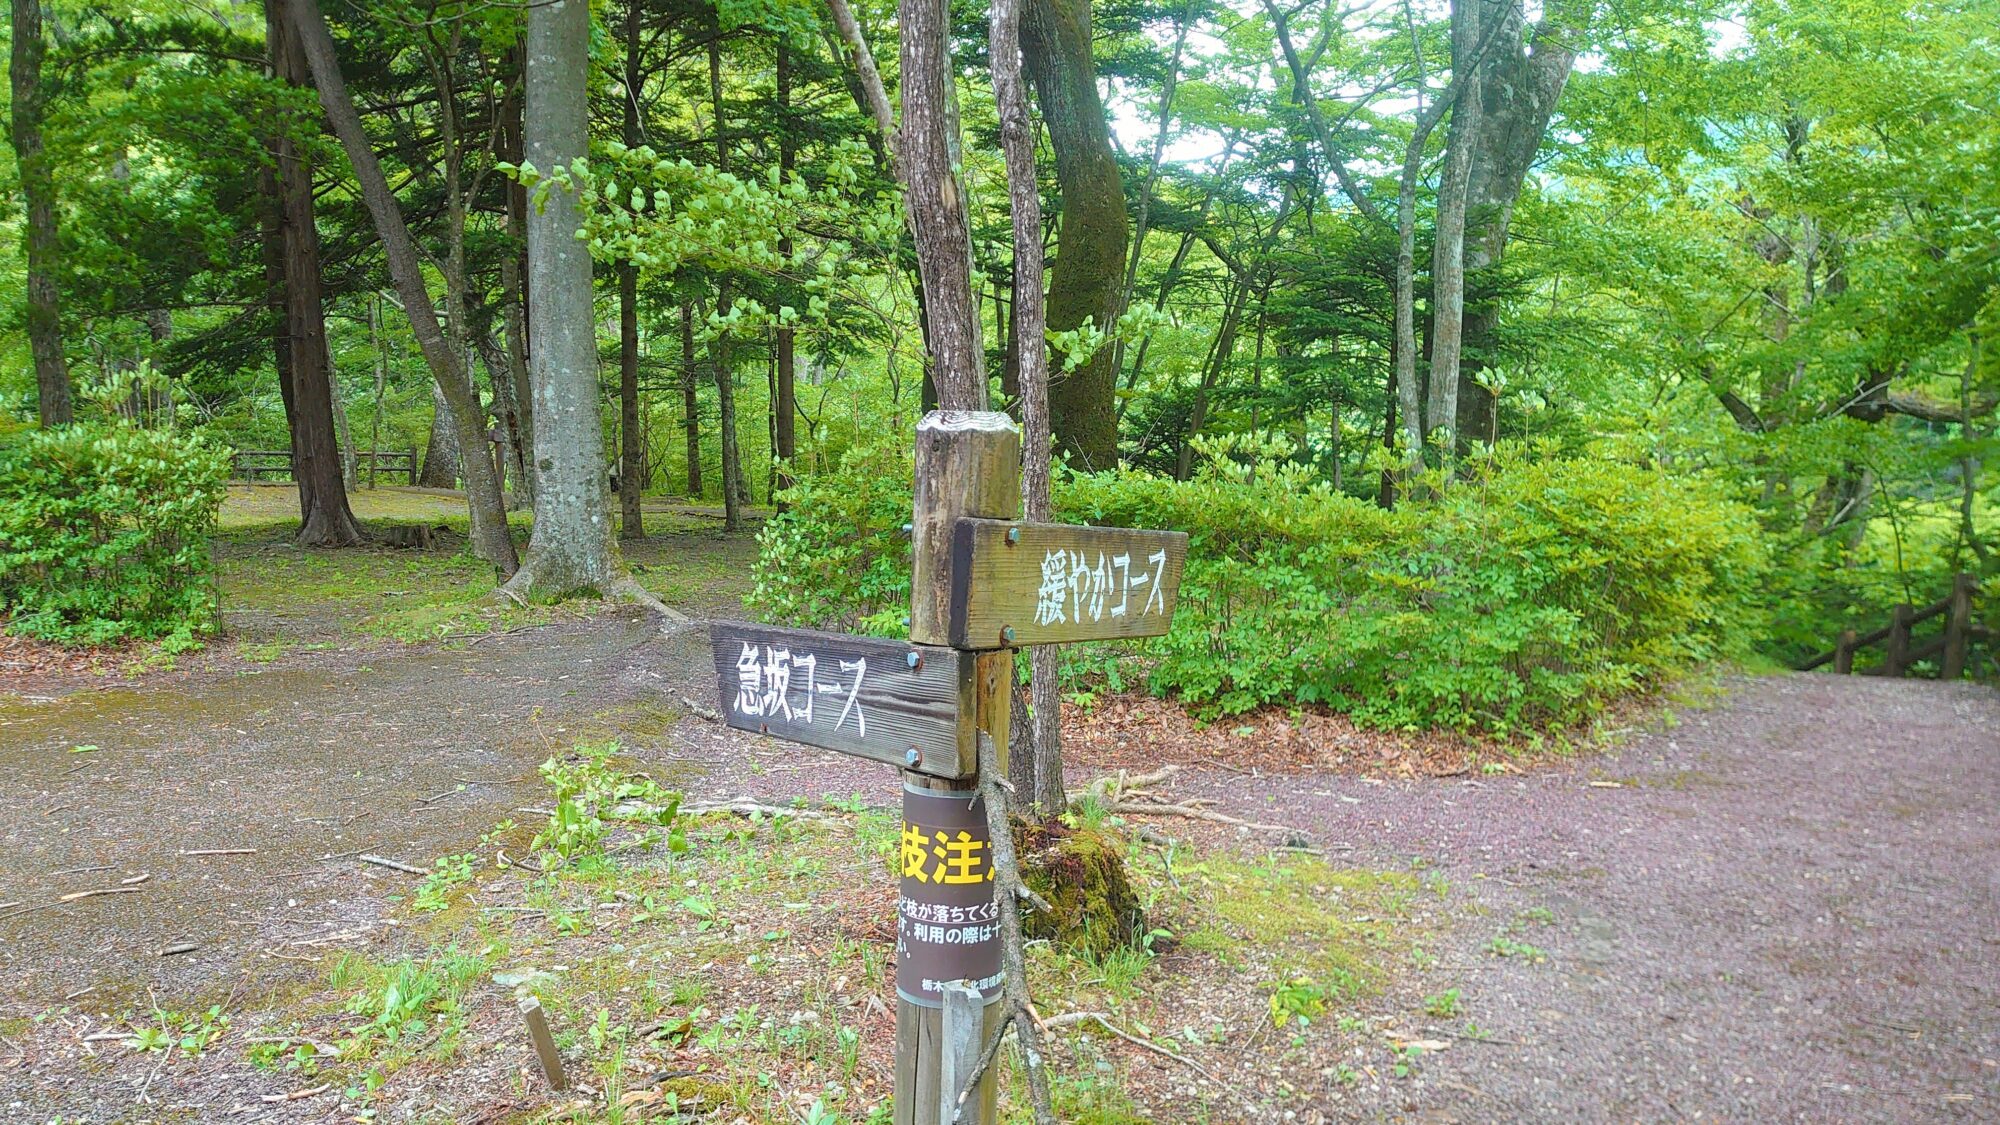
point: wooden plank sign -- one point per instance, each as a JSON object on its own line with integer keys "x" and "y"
{"x": 1016, "y": 583}
{"x": 889, "y": 701}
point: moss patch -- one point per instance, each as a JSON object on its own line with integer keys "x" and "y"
{"x": 1081, "y": 872}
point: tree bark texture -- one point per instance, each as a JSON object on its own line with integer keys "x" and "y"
{"x": 935, "y": 203}
{"x": 719, "y": 348}
{"x": 570, "y": 551}
{"x": 1036, "y": 768}
{"x": 38, "y": 191}
{"x": 1087, "y": 283}
{"x": 631, "y": 449}
{"x": 441, "y": 450}
{"x": 1448, "y": 249}
{"x": 325, "y": 519}
{"x": 784, "y": 434}
{"x": 490, "y": 538}
{"x": 690, "y": 401}
{"x": 1520, "y": 79}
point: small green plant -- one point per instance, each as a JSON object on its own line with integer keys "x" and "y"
{"x": 1504, "y": 946}
{"x": 1406, "y": 1060}
{"x": 1298, "y": 999}
{"x": 192, "y": 1032}
{"x": 434, "y": 893}
{"x": 592, "y": 797}
{"x": 1443, "y": 1005}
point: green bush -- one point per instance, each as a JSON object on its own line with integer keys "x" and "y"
{"x": 104, "y": 533}
{"x": 1526, "y": 596}
{"x": 837, "y": 558}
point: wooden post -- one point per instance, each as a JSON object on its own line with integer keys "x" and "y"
{"x": 1843, "y": 653}
{"x": 1898, "y": 658}
{"x": 963, "y": 1040}
{"x": 968, "y": 463}
{"x": 413, "y": 467}
{"x": 545, "y": 1044}
{"x": 1957, "y": 627}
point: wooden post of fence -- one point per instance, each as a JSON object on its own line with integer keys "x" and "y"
{"x": 413, "y": 466}
{"x": 968, "y": 463}
{"x": 1898, "y": 659}
{"x": 1843, "y": 653}
{"x": 1957, "y": 627}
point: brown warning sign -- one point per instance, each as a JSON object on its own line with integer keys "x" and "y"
{"x": 947, "y": 924}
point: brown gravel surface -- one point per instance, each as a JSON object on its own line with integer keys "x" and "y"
{"x": 1784, "y": 908}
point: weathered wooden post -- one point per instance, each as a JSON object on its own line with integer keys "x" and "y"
{"x": 1843, "y": 653}
{"x": 1957, "y": 627}
{"x": 982, "y": 584}
{"x": 968, "y": 463}
{"x": 1898, "y": 659}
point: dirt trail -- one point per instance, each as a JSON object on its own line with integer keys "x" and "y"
{"x": 1783, "y": 910}
{"x": 361, "y": 751}
{"x": 1787, "y": 909}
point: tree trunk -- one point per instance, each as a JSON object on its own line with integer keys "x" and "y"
{"x": 1448, "y": 251}
{"x": 784, "y": 405}
{"x": 1036, "y": 769}
{"x": 570, "y": 551}
{"x": 442, "y": 455}
{"x": 1219, "y": 357}
{"x": 507, "y": 416}
{"x": 381, "y": 384}
{"x": 631, "y": 452}
{"x": 38, "y": 191}
{"x": 935, "y": 201}
{"x": 490, "y": 538}
{"x": 631, "y": 449}
{"x": 1519, "y": 85}
{"x": 324, "y": 517}
{"x": 514, "y": 291}
{"x": 1088, "y": 281}
{"x": 719, "y": 349}
{"x": 690, "y": 402}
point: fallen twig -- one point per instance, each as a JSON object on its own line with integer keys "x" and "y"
{"x": 75, "y": 895}
{"x": 1192, "y": 812}
{"x": 297, "y": 1095}
{"x": 219, "y": 851}
{"x": 698, "y": 711}
{"x": 391, "y": 864}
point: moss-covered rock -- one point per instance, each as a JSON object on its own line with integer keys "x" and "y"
{"x": 1081, "y": 872}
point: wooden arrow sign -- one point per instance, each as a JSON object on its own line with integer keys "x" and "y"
{"x": 1018, "y": 583}
{"x": 866, "y": 696}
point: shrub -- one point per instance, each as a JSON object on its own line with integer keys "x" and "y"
{"x": 837, "y": 558}
{"x": 104, "y": 533}
{"x": 1525, "y": 596}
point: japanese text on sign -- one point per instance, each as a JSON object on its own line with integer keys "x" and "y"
{"x": 1073, "y": 589}
{"x": 773, "y": 682}
{"x": 947, "y": 924}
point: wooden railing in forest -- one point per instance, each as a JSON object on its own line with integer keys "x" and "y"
{"x": 1900, "y": 650}
{"x": 261, "y": 464}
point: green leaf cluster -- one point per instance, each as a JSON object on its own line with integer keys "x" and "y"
{"x": 104, "y": 533}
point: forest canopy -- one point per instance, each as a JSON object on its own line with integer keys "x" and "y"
{"x": 1437, "y": 291}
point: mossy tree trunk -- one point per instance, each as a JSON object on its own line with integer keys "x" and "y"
{"x": 1088, "y": 281}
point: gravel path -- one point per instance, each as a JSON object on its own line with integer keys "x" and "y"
{"x": 1785, "y": 909}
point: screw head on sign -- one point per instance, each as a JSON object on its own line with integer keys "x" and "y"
{"x": 906, "y": 621}
{"x": 909, "y": 529}
{"x": 912, "y": 757}
{"x": 1007, "y": 634}
{"x": 1013, "y": 536}
{"x": 915, "y": 660}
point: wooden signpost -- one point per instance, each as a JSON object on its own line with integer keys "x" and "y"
{"x": 982, "y": 584}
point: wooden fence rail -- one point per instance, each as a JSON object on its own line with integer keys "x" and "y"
{"x": 1901, "y": 651}
{"x": 262, "y": 464}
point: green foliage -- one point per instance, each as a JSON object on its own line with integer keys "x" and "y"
{"x": 838, "y": 558}
{"x": 104, "y": 534}
{"x": 1527, "y": 595}
{"x": 1524, "y": 597}
{"x": 593, "y": 796}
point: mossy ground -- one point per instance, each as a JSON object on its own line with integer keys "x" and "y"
{"x": 750, "y": 977}
{"x": 284, "y": 596}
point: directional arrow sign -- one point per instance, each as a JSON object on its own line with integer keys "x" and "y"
{"x": 1018, "y": 584}
{"x": 866, "y": 696}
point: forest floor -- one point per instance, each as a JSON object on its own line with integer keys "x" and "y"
{"x": 1773, "y": 900}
